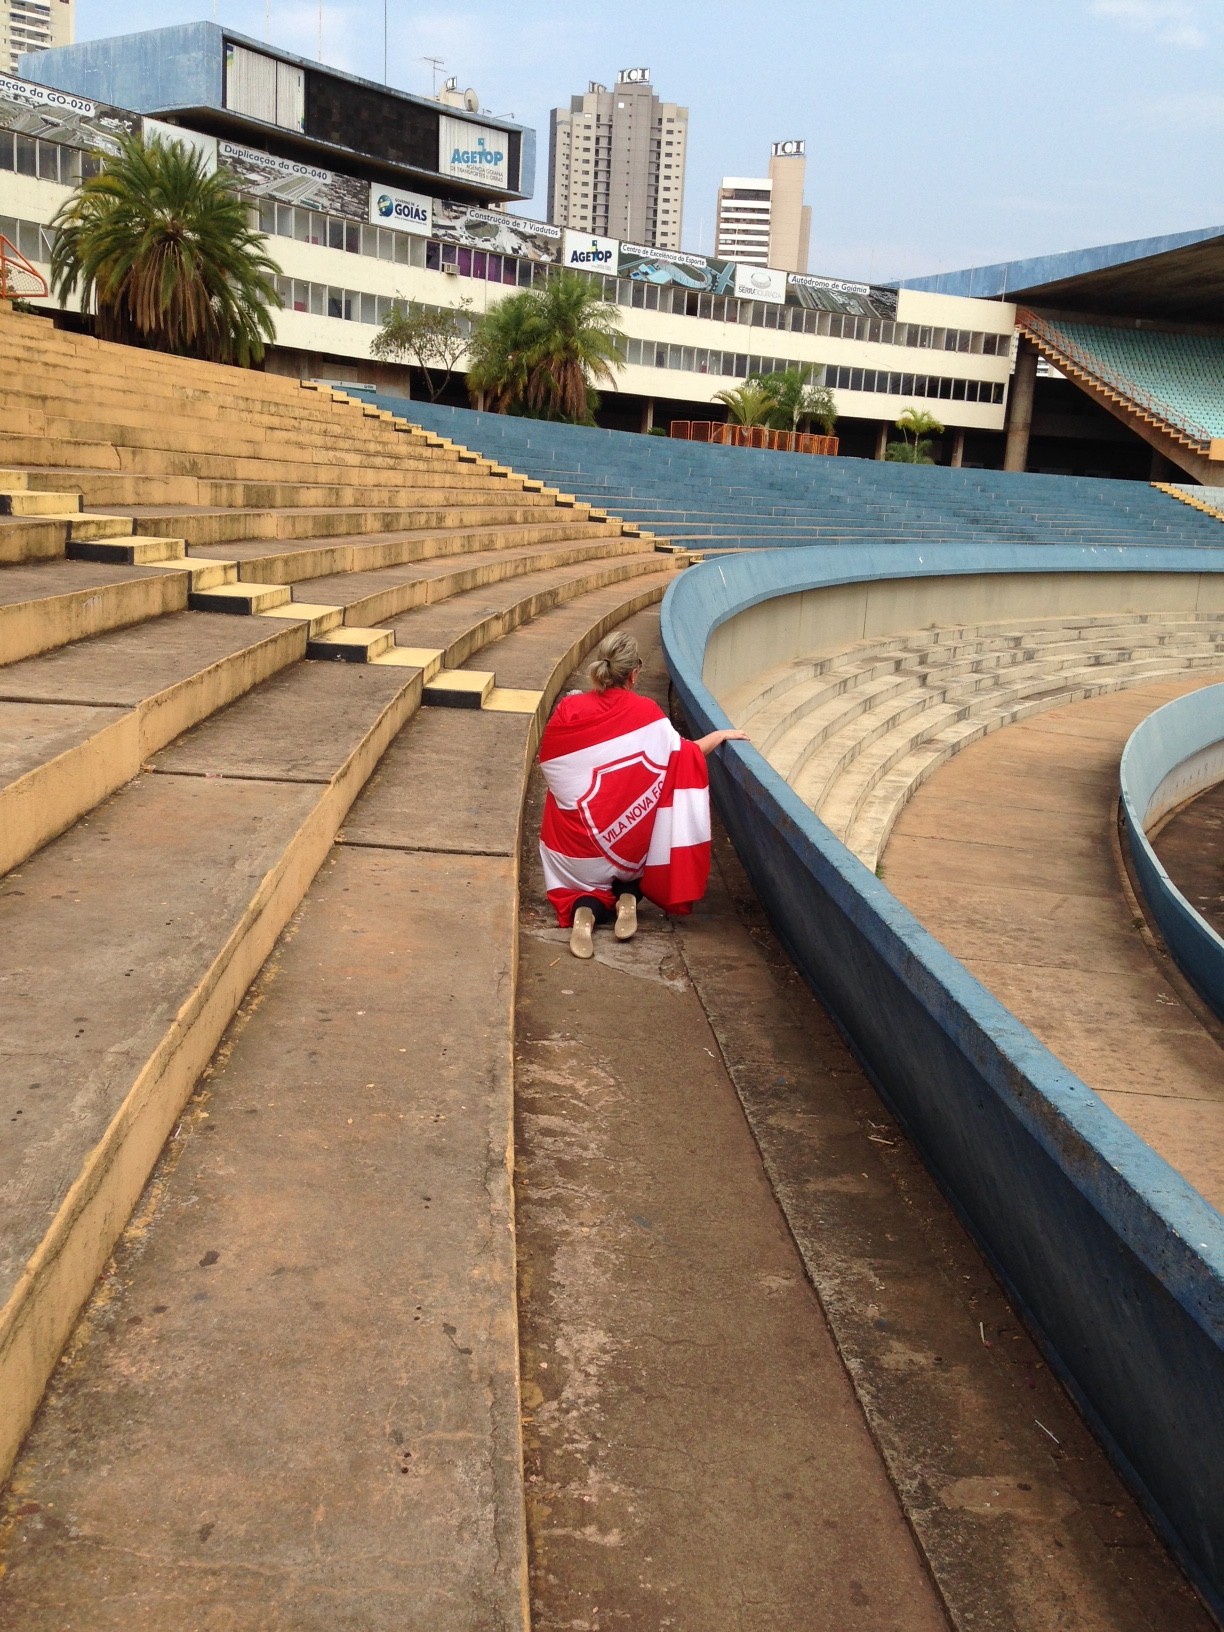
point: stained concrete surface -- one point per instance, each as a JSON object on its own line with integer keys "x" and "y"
{"x": 694, "y": 1456}
{"x": 1009, "y": 855}
{"x": 293, "y": 1402}
{"x": 1191, "y": 849}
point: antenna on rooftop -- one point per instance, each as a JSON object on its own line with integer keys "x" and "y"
{"x": 436, "y": 65}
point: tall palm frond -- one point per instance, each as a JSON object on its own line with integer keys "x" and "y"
{"x": 164, "y": 254}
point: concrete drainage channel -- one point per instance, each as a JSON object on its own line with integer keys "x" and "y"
{"x": 1081, "y": 1219}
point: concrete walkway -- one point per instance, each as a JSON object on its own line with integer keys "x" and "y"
{"x": 1009, "y": 855}
{"x": 756, "y": 1369}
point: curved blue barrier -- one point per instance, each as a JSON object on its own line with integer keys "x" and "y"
{"x": 1115, "y": 1260}
{"x": 1175, "y": 753}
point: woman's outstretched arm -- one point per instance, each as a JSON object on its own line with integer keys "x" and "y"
{"x": 717, "y": 738}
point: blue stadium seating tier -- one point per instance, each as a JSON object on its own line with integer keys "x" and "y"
{"x": 733, "y": 498}
{"x": 1179, "y": 376}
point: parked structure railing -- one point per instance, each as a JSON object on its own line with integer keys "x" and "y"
{"x": 751, "y": 436}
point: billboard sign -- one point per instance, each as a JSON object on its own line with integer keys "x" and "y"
{"x": 495, "y": 230}
{"x": 403, "y": 212}
{"x": 155, "y": 130}
{"x": 474, "y": 153}
{"x": 58, "y": 116}
{"x": 643, "y": 264}
{"x": 263, "y": 175}
{"x": 760, "y": 283}
{"x": 586, "y": 254}
{"x": 851, "y": 299}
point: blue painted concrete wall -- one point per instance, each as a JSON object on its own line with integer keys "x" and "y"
{"x": 157, "y": 71}
{"x": 1186, "y": 736}
{"x": 1117, "y": 1263}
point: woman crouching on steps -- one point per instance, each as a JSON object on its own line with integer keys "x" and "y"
{"x": 627, "y": 812}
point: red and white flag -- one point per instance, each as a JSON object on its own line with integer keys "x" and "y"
{"x": 628, "y": 798}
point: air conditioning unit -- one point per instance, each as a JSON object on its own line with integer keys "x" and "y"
{"x": 451, "y": 271}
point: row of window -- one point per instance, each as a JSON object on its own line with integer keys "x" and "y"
{"x": 47, "y": 160}
{"x": 739, "y": 365}
{"x": 313, "y": 227}
{"x": 891, "y": 384}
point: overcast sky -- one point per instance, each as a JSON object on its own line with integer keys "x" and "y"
{"x": 940, "y": 133}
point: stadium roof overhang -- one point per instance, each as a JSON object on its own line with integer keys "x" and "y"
{"x": 1178, "y": 278}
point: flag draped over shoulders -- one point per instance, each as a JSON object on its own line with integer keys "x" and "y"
{"x": 628, "y": 798}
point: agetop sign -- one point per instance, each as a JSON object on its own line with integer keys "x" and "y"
{"x": 404, "y": 212}
{"x": 473, "y": 153}
{"x": 587, "y": 254}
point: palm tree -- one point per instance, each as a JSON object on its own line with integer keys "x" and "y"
{"x": 749, "y": 404}
{"x": 798, "y": 400}
{"x": 165, "y": 255}
{"x": 921, "y": 425}
{"x": 499, "y": 352}
{"x": 540, "y": 351}
{"x": 578, "y": 341}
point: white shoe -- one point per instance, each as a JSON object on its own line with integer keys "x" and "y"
{"x": 580, "y": 935}
{"x": 626, "y": 917}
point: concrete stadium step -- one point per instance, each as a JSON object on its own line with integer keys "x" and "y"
{"x": 289, "y": 561}
{"x": 46, "y": 538}
{"x": 78, "y": 723}
{"x": 226, "y": 527}
{"x": 54, "y": 602}
{"x": 211, "y": 851}
{"x": 376, "y": 595}
{"x": 427, "y": 860}
{"x": 401, "y": 486}
{"x": 868, "y": 832}
{"x": 931, "y": 700}
{"x": 758, "y": 701}
{"x": 454, "y": 630}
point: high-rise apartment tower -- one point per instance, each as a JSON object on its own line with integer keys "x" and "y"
{"x": 762, "y": 220}
{"x": 616, "y": 163}
{"x": 32, "y": 25}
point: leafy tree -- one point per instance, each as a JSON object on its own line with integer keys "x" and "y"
{"x": 539, "y": 352}
{"x": 749, "y": 404}
{"x": 165, "y": 255}
{"x": 798, "y": 401}
{"x": 921, "y": 426}
{"x": 431, "y": 338}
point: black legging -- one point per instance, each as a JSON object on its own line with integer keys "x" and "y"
{"x": 603, "y": 913}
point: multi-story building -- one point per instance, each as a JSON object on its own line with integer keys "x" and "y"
{"x": 790, "y": 225}
{"x": 762, "y": 220}
{"x": 370, "y": 197}
{"x": 741, "y": 230}
{"x": 32, "y": 25}
{"x": 616, "y": 163}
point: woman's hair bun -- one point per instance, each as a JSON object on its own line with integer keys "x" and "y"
{"x": 616, "y": 658}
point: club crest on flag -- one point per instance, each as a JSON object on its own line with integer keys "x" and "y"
{"x": 615, "y": 807}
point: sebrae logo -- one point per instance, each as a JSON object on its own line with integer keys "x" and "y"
{"x": 401, "y": 209}
{"x": 493, "y": 157}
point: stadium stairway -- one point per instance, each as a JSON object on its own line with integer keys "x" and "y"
{"x": 707, "y": 498}
{"x": 858, "y": 731}
{"x": 176, "y": 541}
